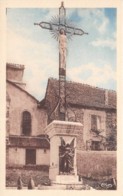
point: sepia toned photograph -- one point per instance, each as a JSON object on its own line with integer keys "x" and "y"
{"x": 61, "y": 98}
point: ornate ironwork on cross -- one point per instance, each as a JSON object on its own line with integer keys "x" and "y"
{"x": 61, "y": 30}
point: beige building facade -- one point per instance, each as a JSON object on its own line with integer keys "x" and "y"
{"x": 26, "y": 142}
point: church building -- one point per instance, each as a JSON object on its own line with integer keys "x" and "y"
{"x": 26, "y": 142}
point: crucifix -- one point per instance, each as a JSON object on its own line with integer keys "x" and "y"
{"x": 62, "y": 31}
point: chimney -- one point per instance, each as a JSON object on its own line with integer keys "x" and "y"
{"x": 14, "y": 73}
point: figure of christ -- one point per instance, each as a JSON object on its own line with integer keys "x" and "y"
{"x": 62, "y": 48}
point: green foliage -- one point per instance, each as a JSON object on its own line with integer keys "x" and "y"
{"x": 112, "y": 138}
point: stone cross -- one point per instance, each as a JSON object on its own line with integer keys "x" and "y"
{"x": 62, "y": 30}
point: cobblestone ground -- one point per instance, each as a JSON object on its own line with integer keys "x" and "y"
{"x": 93, "y": 185}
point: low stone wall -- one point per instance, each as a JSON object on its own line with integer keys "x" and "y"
{"x": 36, "y": 173}
{"x": 96, "y": 164}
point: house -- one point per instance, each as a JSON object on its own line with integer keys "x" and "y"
{"x": 94, "y": 107}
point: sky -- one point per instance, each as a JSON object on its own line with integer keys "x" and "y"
{"x": 91, "y": 59}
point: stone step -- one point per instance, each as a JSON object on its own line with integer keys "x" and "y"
{"x": 67, "y": 179}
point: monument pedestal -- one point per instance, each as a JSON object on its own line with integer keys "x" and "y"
{"x": 59, "y": 131}
{"x": 67, "y": 179}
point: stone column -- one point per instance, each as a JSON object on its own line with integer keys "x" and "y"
{"x": 56, "y": 130}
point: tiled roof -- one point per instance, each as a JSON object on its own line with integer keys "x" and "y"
{"x": 82, "y": 95}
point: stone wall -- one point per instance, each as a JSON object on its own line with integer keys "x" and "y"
{"x": 17, "y": 156}
{"x": 43, "y": 157}
{"x": 96, "y": 164}
{"x": 20, "y": 102}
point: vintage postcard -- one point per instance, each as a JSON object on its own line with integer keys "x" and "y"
{"x": 61, "y": 114}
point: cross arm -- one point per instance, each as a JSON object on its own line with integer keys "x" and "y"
{"x": 49, "y": 26}
{"x": 44, "y": 25}
{"x": 74, "y": 31}
{"x": 56, "y": 27}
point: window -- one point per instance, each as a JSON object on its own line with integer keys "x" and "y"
{"x": 96, "y": 140}
{"x": 26, "y": 123}
{"x": 30, "y": 156}
{"x": 95, "y": 122}
{"x": 95, "y": 145}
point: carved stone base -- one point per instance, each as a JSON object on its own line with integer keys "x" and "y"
{"x": 67, "y": 179}
{"x": 67, "y": 131}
